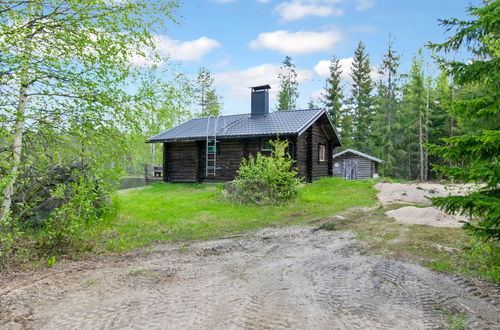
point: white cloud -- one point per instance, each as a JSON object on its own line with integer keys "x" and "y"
{"x": 297, "y": 9}
{"x": 239, "y": 81}
{"x": 292, "y": 10}
{"x": 176, "y": 50}
{"x": 323, "y": 69}
{"x": 185, "y": 50}
{"x": 296, "y": 43}
{"x": 364, "y": 4}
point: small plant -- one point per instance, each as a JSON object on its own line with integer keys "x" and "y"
{"x": 182, "y": 248}
{"x": 51, "y": 261}
{"x": 267, "y": 179}
{"x": 91, "y": 281}
{"x": 327, "y": 226}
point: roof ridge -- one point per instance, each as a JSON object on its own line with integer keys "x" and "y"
{"x": 248, "y": 113}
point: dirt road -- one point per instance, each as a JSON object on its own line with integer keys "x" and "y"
{"x": 277, "y": 278}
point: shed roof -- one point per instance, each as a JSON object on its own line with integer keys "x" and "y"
{"x": 359, "y": 153}
{"x": 237, "y": 126}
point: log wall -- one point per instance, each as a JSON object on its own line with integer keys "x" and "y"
{"x": 185, "y": 161}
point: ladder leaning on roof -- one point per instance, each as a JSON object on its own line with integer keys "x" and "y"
{"x": 211, "y": 149}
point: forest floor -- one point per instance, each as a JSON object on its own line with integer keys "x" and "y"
{"x": 364, "y": 272}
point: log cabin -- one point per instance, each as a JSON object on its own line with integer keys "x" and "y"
{"x": 211, "y": 149}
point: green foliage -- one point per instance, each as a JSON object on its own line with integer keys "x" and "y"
{"x": 383, "y": 141}
{"x": 333, "y": 96}
{"x": 157, "y": 105}
{"x": 210, "y": 103}
{"x": 473, "y": 155}
{"x": 65, "y": 228}
{"x": 64, "y": 70}
{"x": 412, "y": 120}
{"x": 267, "y": 179}
{"x": 361, "y": 101}
{"x": 51, "y": 261}
{"x": 288, "y": 93}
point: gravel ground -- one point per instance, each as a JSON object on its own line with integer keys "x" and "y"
{"x": 276, "y": 278}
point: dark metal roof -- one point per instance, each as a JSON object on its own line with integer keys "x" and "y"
{"x": 359, "y": 153}
{"x": 235, "y": 126}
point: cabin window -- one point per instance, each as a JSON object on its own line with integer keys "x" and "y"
{"x": 266, "y": 145}
{"x": 322, "y": 153}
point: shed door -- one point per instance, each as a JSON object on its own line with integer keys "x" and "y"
{"x": 350, "y": 169}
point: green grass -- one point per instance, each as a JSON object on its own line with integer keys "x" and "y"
{"x": 198, "y": 211}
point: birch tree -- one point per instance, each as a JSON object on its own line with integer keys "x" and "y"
{"x": 63, "y": 63}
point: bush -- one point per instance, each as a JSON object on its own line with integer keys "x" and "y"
{"x": 82, "y": 205}
{"x": 267, "y": 179}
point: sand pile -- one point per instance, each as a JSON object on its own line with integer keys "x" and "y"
{"x": 416, "y": 193}
{"x": 429, "y": 216}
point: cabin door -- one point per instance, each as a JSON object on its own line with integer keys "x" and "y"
{"x": 350, "y": 169}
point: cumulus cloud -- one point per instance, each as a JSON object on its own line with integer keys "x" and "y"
{"x": 323, "y": 69}
{"x": 176, "y": 50}
{"x": 239, "y": 81}
{"x": 296, "y": 43}
{"x": 192, "y": 50}
{"x": 297, "y": 9}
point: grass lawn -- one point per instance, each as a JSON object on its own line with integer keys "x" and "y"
{"x": 198, "y": 211}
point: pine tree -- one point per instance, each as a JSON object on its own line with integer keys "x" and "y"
{"x": 206, "y": 96}
{"x": 361, "y": 102}
{"x": 288, "y": 93}
{"x": 474, "y": 154}
{"x": 332, "y": 97}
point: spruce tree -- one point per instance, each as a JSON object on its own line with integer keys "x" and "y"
{"x": 386, "y": 104}
{"x": 332, "y": 97}
{"x": 288, "y": 93}
{"x": 361, "y": 102}
{"x": 474, "y": 155}
{"x": 412, "y": 122}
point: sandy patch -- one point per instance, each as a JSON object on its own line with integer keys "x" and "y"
{"x": 287, "y": 278}
{"x": 426, "y": 216}
{"x": 416, "y": 193}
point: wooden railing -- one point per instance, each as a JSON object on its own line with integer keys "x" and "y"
{"x": 153, "y": 173}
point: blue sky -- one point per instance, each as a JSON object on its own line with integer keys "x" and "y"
{"x": 242, "y": 42}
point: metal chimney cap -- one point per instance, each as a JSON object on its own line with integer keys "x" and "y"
{"x": 260, "y": 88}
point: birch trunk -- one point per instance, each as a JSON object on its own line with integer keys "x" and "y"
{"x": 16, "y": 151}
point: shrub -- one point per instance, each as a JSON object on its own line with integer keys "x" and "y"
{"x": 267, "y": 179}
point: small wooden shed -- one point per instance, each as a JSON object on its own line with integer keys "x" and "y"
{"x": 351, "y": 164}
